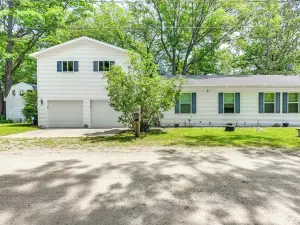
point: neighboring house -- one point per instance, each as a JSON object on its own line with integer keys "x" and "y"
{"x": 258, "y": 100}
{"x": 71, "y": 88}
{"x": 15, "y": 103}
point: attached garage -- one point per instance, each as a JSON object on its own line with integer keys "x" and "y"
{"x": 104, "y": 116}
{"x": 65, "y": 114}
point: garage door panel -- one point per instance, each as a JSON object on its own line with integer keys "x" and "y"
{"x": 65, "y": 113}
{"x": 104, "y": 116}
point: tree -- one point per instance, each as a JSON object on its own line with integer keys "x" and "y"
{"x": 270, "y": 44}
{"x": 141, "y": 87}
{"x": 110, "y": 23}
{"x": 186, "y": 26}
{"x": 24, "y": 24}
{"x": 30, "y": 110}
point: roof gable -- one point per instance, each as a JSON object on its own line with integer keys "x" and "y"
{"x": 55, "y": 47}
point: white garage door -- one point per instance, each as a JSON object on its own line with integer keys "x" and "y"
{"x": 65, "y": 113}
{"x": 104, "y": 116}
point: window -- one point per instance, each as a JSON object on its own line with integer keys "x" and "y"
{"x": 229, "y": 102}
{"x": 269, "y": 102}
{"x": 68, "y": 66}
{"x": 185, "y": 103}
{"x": 293, "y": 103}
{"x": 105, "y": 65}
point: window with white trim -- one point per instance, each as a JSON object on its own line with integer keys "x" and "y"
{"x": 68, "y": 66}
{"x": 293, "y": 102}
{"x": 229, "y": 102}
{"x": 105, "y": 65}
{"x": 269, "y": 102}
{"x": 185, "y": 103}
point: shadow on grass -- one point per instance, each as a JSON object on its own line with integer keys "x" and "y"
{"x": 122, "y": 136}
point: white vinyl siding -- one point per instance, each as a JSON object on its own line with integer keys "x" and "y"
{"x": 208, "y": 114}
{"x": 83, "y": 86}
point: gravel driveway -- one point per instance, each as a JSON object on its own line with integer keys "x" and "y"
{"x": 163, "y": 186}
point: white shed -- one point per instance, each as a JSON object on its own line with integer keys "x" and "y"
{"x": 15, "y": 103}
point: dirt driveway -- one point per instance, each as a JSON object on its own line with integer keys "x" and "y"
{"x": 65, "y": 132}
{"x": 162, "y": 186}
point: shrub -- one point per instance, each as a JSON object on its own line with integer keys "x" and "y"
{"x": 276, "y": 125}
{"x": 30, "y": 109}
{"x": 4, "y": 120}
{"x": 141, "y": 88}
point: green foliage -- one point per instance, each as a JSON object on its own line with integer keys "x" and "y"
{"x": 35, "y": 25}
{"x": 190, "y": 31}
{"x": 270, "y": 45}
{"x": 141, "y": 87}
{"x": 3, "y": 119}
{"x": 30, "y": 110}
{"x": 284, "y": 139}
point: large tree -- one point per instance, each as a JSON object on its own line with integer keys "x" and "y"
{"x": 25, "y": 23}
{"x": 185, "y": 27}
{"x": 270, "y": 44}
{"x": 109, "y": 22}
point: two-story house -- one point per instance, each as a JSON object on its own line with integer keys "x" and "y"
{"x": 70, "y": 84}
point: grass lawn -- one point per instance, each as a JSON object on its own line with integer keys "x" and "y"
{"x": 14, "y": 128}
{"x": 282, "y": 138}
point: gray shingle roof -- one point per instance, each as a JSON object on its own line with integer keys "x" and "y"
{"x": 243, "y": 81}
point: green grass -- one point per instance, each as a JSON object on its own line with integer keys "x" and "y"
{"x": 281, "y": 138}
{"x": 193, "y": 137}
{"x": 14, "y": 128}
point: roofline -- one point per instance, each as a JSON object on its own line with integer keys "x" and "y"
{"x": 22, "y": 82}
{"x": 243, "y": 86}
{"x": 36, "y": 54}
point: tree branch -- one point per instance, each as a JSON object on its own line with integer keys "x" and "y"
{"x": 30, "y": 45}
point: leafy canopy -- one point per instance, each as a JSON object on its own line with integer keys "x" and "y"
{"x": 142, "y": 87}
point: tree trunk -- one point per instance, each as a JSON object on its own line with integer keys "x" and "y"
{"x": 1, "y": 103}
{"x": 9, "y": 50}
{"x": 174, "y": 66}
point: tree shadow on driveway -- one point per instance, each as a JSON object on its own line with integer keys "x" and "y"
{"x": 173, "y": 187}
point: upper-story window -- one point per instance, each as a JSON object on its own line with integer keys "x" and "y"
{"x": 100, "y": 66}
{"x": 67, "y": 66}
